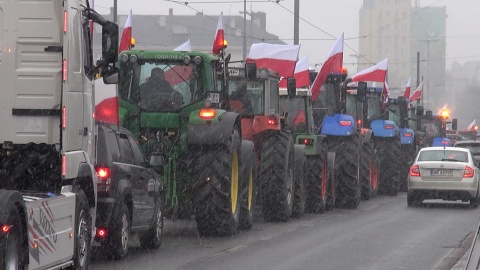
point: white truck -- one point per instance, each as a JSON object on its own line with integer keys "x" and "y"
{"x": 47, "y": 131}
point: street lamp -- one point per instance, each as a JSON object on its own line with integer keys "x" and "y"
{"x": 427, "y": 88}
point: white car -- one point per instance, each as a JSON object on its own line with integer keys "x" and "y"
{"x": 448, "y": 173}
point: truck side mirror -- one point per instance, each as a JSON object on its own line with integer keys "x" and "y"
{"x": 250, "y": 70}
{"x": 291, "y": 87}
{"x": 454, "y": 124}
{"x": 362, "y": 92}
{"x": 111, "y": 77}
{"x": 110, "y": 42}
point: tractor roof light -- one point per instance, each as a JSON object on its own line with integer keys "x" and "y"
{"x": 344, "y": 71}
{"x": 197, "y": 60}
{"x": 133, "y": 58}
{"x": 124, "y": 58}
{"x": 207, "y": 113}
{"x": 444, "y": 113}
{"x": 187, "y": 59}
{"x": 132, "y": 42}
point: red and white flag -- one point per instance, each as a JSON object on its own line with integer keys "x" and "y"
{"x": 385, "y": 92}
{"x": 184, "y": 47}
{"x": 302, "y": 74}
{"x": 126, "y": 40}
{"x": 472, "y": 126}
{"x": 106, "y": 103}
{"x": 219, "y": 41}
{"x": 406, "y": 94}
{"x": 280, "y": 58}
{"x": 417, "y": 94}
{"x": 333, "y": 64}
{"x": 377, "y": 73}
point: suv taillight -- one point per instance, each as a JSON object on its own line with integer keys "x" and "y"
{"x": 104, "y": 180}
{"x": 415, "y": 171}
{"x": 468, "y": 172}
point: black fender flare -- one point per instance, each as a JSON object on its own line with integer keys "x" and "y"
{"x": 11, "y": 199}
{"x": 85, "y": 181}
{"x": 218, "y": 133}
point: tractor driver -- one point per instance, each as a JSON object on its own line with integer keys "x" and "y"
{"x": 157, "y": 94}
{"x": 241, "y": 96}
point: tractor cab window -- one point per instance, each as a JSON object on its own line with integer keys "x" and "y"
{"x": 351, "y": 105}
{"x": 296, "y": 113}
{"x": 373, "y": 111}
{"x": 160, "y": 86}
{"x": 430, "y": 127}
{"x": 246, "y": 97}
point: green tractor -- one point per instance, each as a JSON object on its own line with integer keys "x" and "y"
{"x": 317, "y": 187}
{"x": 185, "y": 129}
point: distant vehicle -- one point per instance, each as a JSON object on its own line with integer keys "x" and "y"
{"x": 473, "y": 146}
{"x": 129, "y": 193}
{"x": 448, "y": 173}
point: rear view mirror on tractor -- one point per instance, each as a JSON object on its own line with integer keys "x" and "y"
{"x": 362, "y": 92}
{"x": 291, "y": 87}
{"x": 250, "y": 70}
{"x": 454, "y": 124}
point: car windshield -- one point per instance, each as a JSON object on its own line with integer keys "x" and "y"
{"x": 443, "y": 155}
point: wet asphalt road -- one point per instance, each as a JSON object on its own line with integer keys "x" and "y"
{"x": 382, "y": 233}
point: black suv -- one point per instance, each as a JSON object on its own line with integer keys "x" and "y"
{"x": 129, "y": 193}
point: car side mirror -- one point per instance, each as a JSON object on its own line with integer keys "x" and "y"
{"x": 157, "y": 160}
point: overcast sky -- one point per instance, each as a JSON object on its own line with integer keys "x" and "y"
{"x": 321, "y": 22}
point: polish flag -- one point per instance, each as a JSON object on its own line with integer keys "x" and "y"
{"x": 472, "y": 126}
{"x": 280, "y": 58}
{"x": 302, "y": 74}
{"x": 126, "y": 40}
{"x": 376, "y": 73}
{"x": 406, "y": 94}
{"x": 417, "y": 94}
{"x": 106, "y": 103}
{"x": 333, "y": 64}
{"x": 184, "y": 47}
{"x": 219, "y": 42}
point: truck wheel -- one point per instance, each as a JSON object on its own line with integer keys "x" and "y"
{"x": 388, "y": 151}
{"x": 248, "y": 191}
{"x": 217, "y": 200}
{"x": 316, "y": 188}
{"x": 152, "y": 238}
{"x": 405, "y": 158}
{"x": 369, "y": 171}
{"x": 299, "y": 176}
{"x": 12, "y": 248}
{"x": 117, "y": 241}
{"x": 329, "y": 171}
{"x": 276, "y": 174}
{"x": 83, "y": 235}
{"x": 347, "y": 171}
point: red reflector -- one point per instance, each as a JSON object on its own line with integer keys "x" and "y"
{"x": 64, "y": 117}
{"x": 64, "y": 165}
{"x": 65, "y": 22}
{"x": 388, "y": 126}
{"x": 207, "y": 113}
{"x": 444, "y": 142}
{"x": 103, "y": 172}
{"x": 359, "y": 122}
{"x": 5, "y": 228}
{"x": 101, "y": 232}
{"x": 407, "y": 134}
{"x": 307, "y": 141}
{"x": 414, "y": 171}
{"x": 344, "y": 123}
{"x": 64, "y": 69}
{"x": 468, "y": 172}
{"x": 272, "y": 121}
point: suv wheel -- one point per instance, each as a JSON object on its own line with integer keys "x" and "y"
{"x": 117, "y": 242}
{"x": 152, "y": 238}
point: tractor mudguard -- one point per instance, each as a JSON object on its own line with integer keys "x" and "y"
{"x": 313, "y": 143}
{"x": 339, "y": 125}
{"x": 212, "y": 133}
{"x": 366, "y": 135}
{"x": 407, "y": 139}
{"x": 379, "y": 128}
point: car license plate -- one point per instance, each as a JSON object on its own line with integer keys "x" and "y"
{"x": 441, "y": 172}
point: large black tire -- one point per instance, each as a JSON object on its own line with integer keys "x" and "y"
{"x": 276, "y": 177}
{"x": 217, "y": 197}
{"x": 299, "y": 177}
{"x": 316, "y": 188}
{"x": 152, "y": 238}
{"x": 347, "y": 171}
{"x": 116, "y": 243}
{"x": 369, "y": 171}
{"x": 83, "y": 235}
{"x": 331, "y": 183}
{"x": 406, "y": 157}
{"x": 13, "y": 248}
{"x": 388, "y": 151}
{"x": 248, "y": 186}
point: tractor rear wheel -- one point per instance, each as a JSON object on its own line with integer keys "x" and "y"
{"x": 276, "y": 174}
{"x": 217, "y": 200}
{"x": 405, "y": 159}
{"x": 369, "y": 171}
{"x": 299, "y": 176}
{"x": 248, "y": 186}
{"x": 316, "y": 188}
{"x": 347, "y": 171}
{"x": 329, "y": 171}
{"x": 388, "y": 151}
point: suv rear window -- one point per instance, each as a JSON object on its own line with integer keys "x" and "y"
{"x": 125, "y": 149}
{"x": 443, "y": 155}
